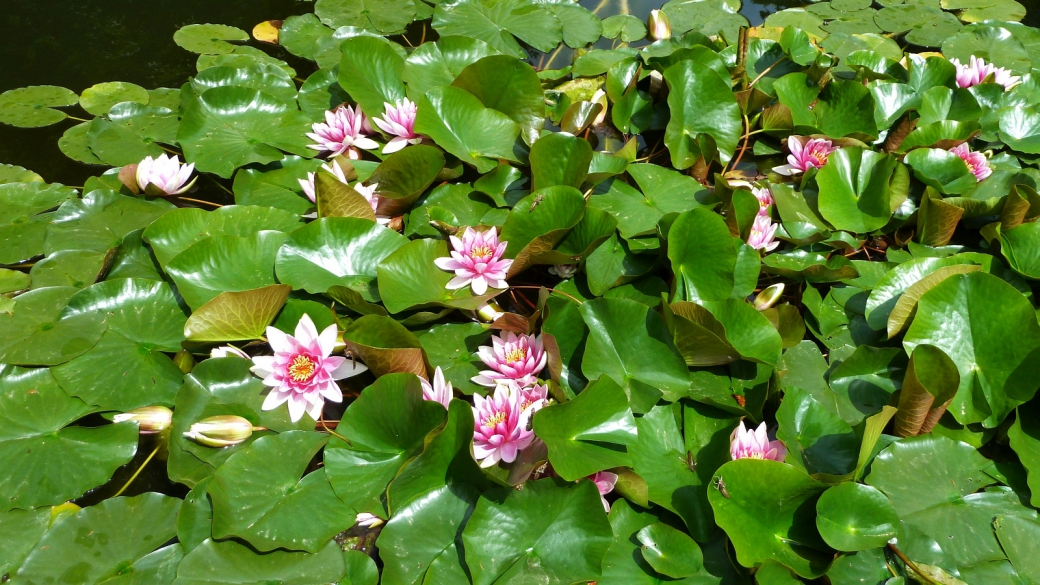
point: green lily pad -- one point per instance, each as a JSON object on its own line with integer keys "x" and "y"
{"x": 232, "y": 563}
{"x": 860, "y": 189}
{"x": 34, "y": 333}
{"x": 437, "y": 64}
{"x": 267, "y": 78}
{"x": 703, "y": 256}
{"x": 76, "y": 268}
{"x": 237, "y": 316}
{"x": 33, "y": 107}
{"x": 46, "y": 458}
{"x": 507, "y": 85}
{"x": 854, "y": 517}
{"x": 499, "y": 24}
{"x": 624, "y": 26}
{"x": 669, "y": 551}
{"x": 276, "y": 184}
{"x": 225, "y": 263}
{"x": 98, "y": 99}
{"x": 100, "y": 220}
{"x": 995, "y": 44}
{"x": 409, "y": 279}
{"x": 462, "y": 125}
{"x": 386, "y": 17}
{"x": 370, "y": 70}
{"x": 700, "y": 102}
{"x": 209, "y": 39}
{"x": 661, "y": 191}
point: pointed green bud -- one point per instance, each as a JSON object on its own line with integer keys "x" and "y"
{"x": 659, "y": 25}
{"x": 185, "y": 361}
{"x": 769, "y": 296}
{"x": 221, "y": 431}
{"x": 150, "y": 419}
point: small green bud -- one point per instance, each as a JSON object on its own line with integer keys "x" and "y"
{"x": 150, "y": 419}
{"x": 221, "y": 431}
{"x": 769, "y": 296}
{"x": 185, "y": 361}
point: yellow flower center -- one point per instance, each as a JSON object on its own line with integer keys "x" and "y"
{"x": 494, "y": 419}
{"x": 821, "y": 159}
{"x": 517, "y": 354}
{"x": 302, "y": 368}
{"x": 484, "y": 250}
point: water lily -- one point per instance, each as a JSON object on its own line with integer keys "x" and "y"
{"x": 746, "y": 444}
{"x": 227, "y": 351}
{"x": 514, "y": 360}
{"x": 976, "y": 161}
{"x": 165, "y": 175}
{"x": 221, "y": 431}
{"x": 366, "y": 520}
{"x": 768, "y": 297}
{"x": 813, "y": 154}
{"x": 150, "y": 419}
{"x": 564, "y": 271}
{"x": 535, "y": 396}
{"x": 399, "y": 122}
{"x": 369, "y": 193}
{"x": 761, "y": 236}
{"x": 477, "y": 261}
{"x": 500, "y": 426}
{"x": 605, "y": 482}
{"x": 765, "y": 199}
{"x": 307, "y": 184}
{"x": 343, "y": 132}
{"x": 977, "y": 70}
{"x": 303, "y": 371}
{"x": 439, "y": 391}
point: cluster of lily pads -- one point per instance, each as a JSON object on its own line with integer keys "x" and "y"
{"x": 708, "y": 304}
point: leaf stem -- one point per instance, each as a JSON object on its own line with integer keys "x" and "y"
{"x": 76, "y": 119}
{"x": 321, "y": 419}
{"x": 910, "y": 564}
{"x": 138, "y": 472}
{"x": 764, "y": 72}
{"x": 199, "y": 201}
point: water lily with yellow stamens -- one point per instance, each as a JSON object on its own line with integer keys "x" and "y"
{"x": 500, "y": 426}
{"x": 514, "y": 360}
{"x": 811, "y": 155}
{"x": 303, "y": 371}
{"x": 477, "y": 261}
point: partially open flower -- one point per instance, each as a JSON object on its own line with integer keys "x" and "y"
{"x": 514, "y": 360}
{"x": 307, "y": 184}
{"x": 564, "y": 271}
{"x": 605, "y": 482}
{"x": 164, "y": 175}
{"x": 366, "y": 520}
{"x": 227, "y": 351}
{"x": 150, "y": 419}
{"x": 303, "y": 371}
{"x": 761, "y": 236}
{"x": 813, "y": 154}
{"x": 399, "y": 122}
{"x": 221, "y": 431}
{"x": 977, "y": 70}
{"x": 500, "y": 426}
{"x": 477, "y": 261}
{"x": 765, "y": 199}
{"x": 439, "y": 391}
{"x": 536, "y": 397}
{"x": 343, "y": 132}
{"x": 976, "y": 161}
{"x": 745, "y": 444}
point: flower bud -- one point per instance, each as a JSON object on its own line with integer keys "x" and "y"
{"x": 564, "y": 271}
{"x": 221, "y": 431}
{"x": 150, "y": 419}
{"x": 490, "y": 312}
{"x": 769, "y": 296}
{"x": 366, "y": 520}
{"x": 659, "y": 25}
{"x": 185, "y": 361}
{"x": 227, "y": 351}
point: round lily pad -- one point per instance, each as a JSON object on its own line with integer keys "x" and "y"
{"x": 32, "y": 107}
{"x": 99, "y": 99}
{"x": 209, "y": 39}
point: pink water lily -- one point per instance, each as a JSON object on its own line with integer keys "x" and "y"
{"x": 747, "y": 444}
{"x": 165, "y": 175}
{"x": 564, "y": 271}
{"x": 762, "y": 232}
{"x": 303, "y": 371}
{"x": 765, "y": 199}
{"x": 439, "y": 391}
{"x": 307, "y": 184}
{"x": 605, "y": 482}
{"x": 398, "y": 121}
{"x": 477, "y": 261}
{"x": 977, "y": 70}
{"x": 813, "y": 154}
{"x": 343, "y": 132}
{"x": 976, "y": 161}
{"x": 369, "y": 193}
{"x": 514, "y": 360}
{"x": 535, "y": 396}
{"x": 501, "y": 426}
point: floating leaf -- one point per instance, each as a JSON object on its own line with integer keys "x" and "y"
{"x": 33, "y": 107}
{"x": 237, "y": 316}
{"x": 225, "y": 263}
{"x": 209, "y": 39}
{"x": 497, "y": 23}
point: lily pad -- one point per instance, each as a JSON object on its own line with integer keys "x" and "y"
{"x": 854, "y": 517}
{"x": 499, "y": 24}
{"x": 35, "y": 334}
{"x": 386, "y": 17}
{"x": 98, "y": 99}
{"x": 463, "y": 126}
{"x": 33, "y": 107}
{"x": 209, "y": 39}
{"x": 225, "y": 263}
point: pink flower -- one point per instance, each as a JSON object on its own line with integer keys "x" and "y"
{"x": 605, "y": 482}
{"x": 802, "y": 158}
{"x": 166, "y": 175}
{"x": 398, "y": 121}
{"x": 765, "y": 199}
{"x": 514, "y": 360}
{"x": 476, "y": 260}
{"x": 303, "y": 371}
{"x": 439, "y": 391}
{"x": 500, "y": 426}
{"x": 977, "y": 70}
{"x": 536, "y": 396}
{"x": 369, "y": 193}
{"x": 744, "y": 444}
{"x": 976, "y": 161}
{"x": 308, "y": 184}
{"x": 344, "y": 131}
{"x": 761, "y": 236}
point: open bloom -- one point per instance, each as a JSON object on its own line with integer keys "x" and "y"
{"x": 761, "y": 236}
{"x": 976, "y": 161}
{"x": 977, "y": 70}
{"x": 500, "y": 426}
{"x": 399, "y": 122}
{"x": 765, "y": 199}
{"x": 477, "y": 261}
{"x": 745, "y": 444}
{"x": 308, "y": 184}
{"x": 165, "y": 174}
{"x": 343, "y": 132}
{"x": 439, "y": 391}
{"x": 605, "y": 482}
{"x": 535, "y": 396}
{"x": 813, "y": 154}
{"x": 303, "y": 371}
{"x": 514, "y": 360}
